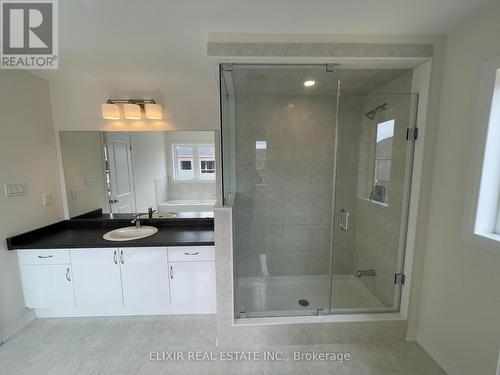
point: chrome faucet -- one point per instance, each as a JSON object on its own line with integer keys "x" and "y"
{"x": 370, "y": 273}
{"x": 137, "y": 221}
{"x": 151, "y": 211}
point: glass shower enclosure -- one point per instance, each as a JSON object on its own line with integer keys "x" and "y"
{"x": 317, "y": 167}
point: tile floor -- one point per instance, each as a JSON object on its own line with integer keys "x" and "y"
{"x": 122, "y": 345}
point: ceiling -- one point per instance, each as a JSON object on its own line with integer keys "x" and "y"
{"x": 157, "y": 39}
{"x": 252, "y": 80}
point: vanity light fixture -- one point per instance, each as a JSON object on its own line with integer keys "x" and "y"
{"x": 153, "y": 111}
{"x": 132, "y": 109}
{"x": 110, "y": 111}
{"x": 309, "y": 83}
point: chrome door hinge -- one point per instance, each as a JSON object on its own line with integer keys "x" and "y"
{"x": 399, "y": 278}
{"x": 411, "y": 134}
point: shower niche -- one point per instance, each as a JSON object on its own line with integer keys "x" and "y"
{"x": 317, "y": 167}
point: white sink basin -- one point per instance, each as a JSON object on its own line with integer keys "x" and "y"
{"x": 130, "y": 233}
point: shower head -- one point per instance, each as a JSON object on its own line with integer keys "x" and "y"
{"x": 371, "y": 114}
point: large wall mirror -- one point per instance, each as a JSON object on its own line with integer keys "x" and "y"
{"x": 131, "y": 172}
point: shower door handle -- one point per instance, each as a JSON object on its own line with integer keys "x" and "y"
{"x": 344, "y": 219}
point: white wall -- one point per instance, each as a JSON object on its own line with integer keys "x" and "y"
{"x": 191, "y": 104}
{"x": 150, "y": 163}
{"x": 27, "y": 154}
{"x": 459, "y": 321}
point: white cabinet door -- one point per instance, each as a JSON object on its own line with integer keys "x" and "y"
{"x": 97, "y": 280}
{"x": 48, "y": 286}
{"x": 192, "y": 286}
{"x": 145, "y": 279}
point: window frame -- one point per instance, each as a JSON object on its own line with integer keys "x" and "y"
{"x": 207, "y": 174}
{"x": 482, "y": 211}
{"x": 374, "y": 181}
{"x": 196, "y": 163}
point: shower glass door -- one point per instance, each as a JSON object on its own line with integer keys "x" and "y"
{"x": 317, "y": 169}
{"x": 373, "y": 177}
{"x": 281, "y": 160}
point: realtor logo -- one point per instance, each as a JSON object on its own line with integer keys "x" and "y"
{"x": 29, "y": 34}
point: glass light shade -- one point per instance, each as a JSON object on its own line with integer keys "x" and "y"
{"x": 110, "y": 111}
{"x": 153, "y": 111}
{"x": 132, "y": 111}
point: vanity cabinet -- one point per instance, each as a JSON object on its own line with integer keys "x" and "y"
{"x": 119, "y": 281}
{"x": 192, "y": 278}
{"x": 192, "y": 286}
{"x": 145, "y": 283}
{"x": 97, "y": 279}
{"x": 52, "y": 270}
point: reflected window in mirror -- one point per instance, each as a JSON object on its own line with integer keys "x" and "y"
{"x": 194, "y": 162}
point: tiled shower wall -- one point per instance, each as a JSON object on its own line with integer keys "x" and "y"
{"x": 284, "y": 166}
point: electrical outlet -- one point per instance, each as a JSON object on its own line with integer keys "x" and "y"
{"x": 11, "y": 190}
{"x": 47, "y": 199}
{"x": 75, "y": 194}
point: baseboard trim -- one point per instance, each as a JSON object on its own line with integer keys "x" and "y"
{"x": 17, "y": 325}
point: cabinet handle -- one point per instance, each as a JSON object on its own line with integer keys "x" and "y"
{"x": 193, "y": 253}
{"x": 67, "y": 275}
{"x": 114, "y": 258}
{"x": 171, "y": 272}
{"x": 122, "y": 260}
{"x": 45, "y": 256}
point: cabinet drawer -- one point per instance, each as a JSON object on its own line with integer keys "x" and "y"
{"x": 191, "y": 254}
{"x": 44, "y": 256}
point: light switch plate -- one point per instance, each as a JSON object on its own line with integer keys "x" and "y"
{"x": 75, "y": 194}
{"x": 47, "y": 199}
{"x": 12, "y": 190}
{"x": 90, "y": 180}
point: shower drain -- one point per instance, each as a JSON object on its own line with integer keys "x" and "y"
{"x": 303, "y": 302}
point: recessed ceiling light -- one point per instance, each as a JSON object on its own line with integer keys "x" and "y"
{"x": 309, "y": 83}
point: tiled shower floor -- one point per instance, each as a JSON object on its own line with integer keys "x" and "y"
{"x": 269, "y": 295}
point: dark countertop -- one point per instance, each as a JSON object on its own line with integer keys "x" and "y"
{"x": 83, "y": 233}
{"x": 99, "y": 215}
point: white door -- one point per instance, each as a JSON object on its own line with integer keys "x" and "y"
{"x": 145, "y": 279}
{"x": 192, "y": 285}
{"x": 96, "y": 275}
{"x": 48, "y": 286}
{"x": 121, "y": 173}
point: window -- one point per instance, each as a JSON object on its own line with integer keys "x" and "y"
{"x": 383, "y": 161}
{"x": 483, "y": 212}
{"x": 194, "y": 162}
